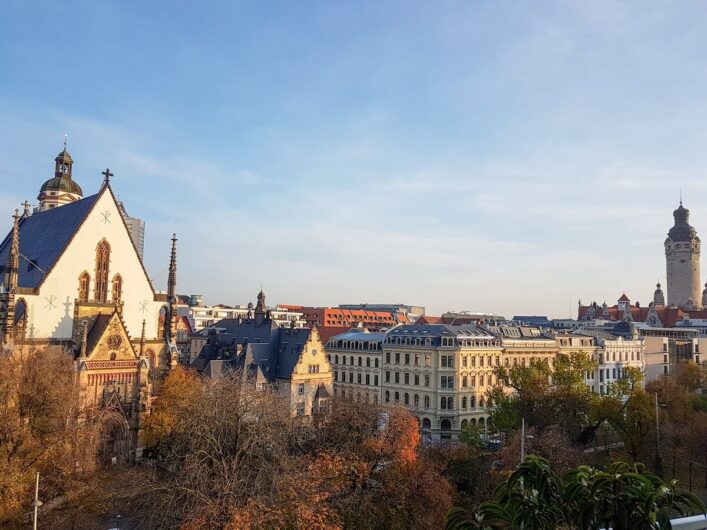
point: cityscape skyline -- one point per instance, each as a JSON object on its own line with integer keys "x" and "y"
{"x": 348, "y": 174}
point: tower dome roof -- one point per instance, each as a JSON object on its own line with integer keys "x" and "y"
{"x": 681, "y": 230}
{"x": 63, "y": 183}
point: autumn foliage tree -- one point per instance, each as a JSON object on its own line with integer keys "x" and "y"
{"x": 41, "y": 429}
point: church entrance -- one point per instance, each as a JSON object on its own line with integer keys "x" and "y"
{"x": 114, "y": 444}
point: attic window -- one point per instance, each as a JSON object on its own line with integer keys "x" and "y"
{"x": 32, "y": 264}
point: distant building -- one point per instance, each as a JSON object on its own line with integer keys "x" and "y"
{"x": 412, "y": 312}
{"x": 356, "y": 358}
{"x": 201, "y": 316}
{"x": 292, "y": 361}
{"x": 534, "y": 320}
{"x": 462, "y": 318}
{"x": 136, "y": 228}
{"x": 336, "y": 317}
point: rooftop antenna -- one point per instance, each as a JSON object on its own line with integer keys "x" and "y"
{"x": 680, "y": 196}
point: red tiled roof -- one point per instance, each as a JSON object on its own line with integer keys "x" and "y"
{"x": 327, "y": 332}
{"x": 428, "y": 319}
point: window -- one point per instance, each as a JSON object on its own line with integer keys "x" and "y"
{"x": 117, "y": 288}
{"x": 417, "y": 359}
{"x": 481, "y": 380}
{"x": 397, "y": 358}
{"x": 84, "y": 282}
{"x": 358, "y": 379}
{"x": 407, "y": 398}
{"x": 368, "y": 379}
{"x": 351, "y": 359}
{"x": 368, "y": 362}
{"x": 336, "y": 375}
{"x": 343, "y": 358}
{"x": 427, "y": 379}
{"x": 102, "y": 264}
{"x": 407, "y": 378}
{"x": 416, "y": 400}
{"x": 472, "y": 402}
{"x": 428, "y": 360}
{"x": 427, "y": 402}
{"x": 473, "y": 380}
{"x": 447, "y": 361}
{"x": 387, "y": 376}
{"x": 397, "y": 397}
{"x": 375, "y": 380}
{"x": 300, "y": 408}
{"x": 450, "y": 403}
{"x": 387, "y": 396}
{"x": 407, "y": 359}
{"x": 336, "y": 359}
{"x": 447, "y": 381}
{"x": 300, "y": 389}
{"x": 376, "y": 364}
{"x": 313, "y": 368}
{"x": 360, "y": 361}
{"x": 464, "y": 402}
{"x": 351, "y": 377}
{"x": 473, "y": 361}
{"x": 397, "y": 377}
{"x": 465, "y": 381}
{"x": 417, "y": 379}
{"x": 465, "y": 361}
{"x": 387, "y": 357}
{"x": 443, "y": 403}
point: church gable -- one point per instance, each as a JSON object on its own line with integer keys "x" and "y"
{"x": 98, "y": 264}
{"x": 108, "y": 340}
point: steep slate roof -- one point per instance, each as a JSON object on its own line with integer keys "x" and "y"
{"x": 264, "y": 345}
{"x": 43, "y": 238}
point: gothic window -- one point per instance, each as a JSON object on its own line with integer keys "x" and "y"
{"x": 117, "y": 288}
{"x": 84, "y": 282}
{"x": 20, "y": 317}
{"x": 161, "y": 322}
{"x": 102, "y": 263}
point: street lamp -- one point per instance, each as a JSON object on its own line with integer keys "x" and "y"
{"x": 37, "y": 503}
{"x": 522, "y": 439}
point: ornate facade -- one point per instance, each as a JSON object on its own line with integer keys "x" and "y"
{"x": 73, "y": 279}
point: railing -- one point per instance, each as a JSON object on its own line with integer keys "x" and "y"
{"x": 695, "y": 522}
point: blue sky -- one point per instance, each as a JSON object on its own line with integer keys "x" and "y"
{"x": 492, "y": 156}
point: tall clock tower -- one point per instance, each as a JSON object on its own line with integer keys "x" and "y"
{"x": 682, "y": 256}
{"x": 61, "y": 189}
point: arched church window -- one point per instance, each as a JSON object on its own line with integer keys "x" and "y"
{"x": 117, "y": 288}
{"x": 20, "y": 317}
{"x": 102, "y": 263}
{"x": 84, "y": 283}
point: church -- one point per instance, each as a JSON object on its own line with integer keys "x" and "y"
{"x": 72, "y": 278}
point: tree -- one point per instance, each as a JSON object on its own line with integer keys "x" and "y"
{"x": 43, "y": 428}
{"x": 622, "y": 497}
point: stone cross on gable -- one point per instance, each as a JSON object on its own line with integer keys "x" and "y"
{"x": 107, "y": 174}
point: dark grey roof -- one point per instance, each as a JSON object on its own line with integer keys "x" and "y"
{"x": 359, "y": 335}
{"x": 43, "y": 237}
{"x": 262, "y": 345}
{"x": 681, "y": 230}
{"x": 439, "y": 330}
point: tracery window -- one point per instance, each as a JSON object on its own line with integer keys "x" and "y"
{"x": 117, "y": 288}
{"x": 102, "y": 263}
{"x": 84, "y": 283}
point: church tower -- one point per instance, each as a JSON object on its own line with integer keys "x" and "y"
{"x": 60, "y": 189}
{"x": 682, "y": 256}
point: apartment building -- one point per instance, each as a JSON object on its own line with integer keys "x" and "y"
{"x": 356, "y": 359}
{"x": 442, "y": 373}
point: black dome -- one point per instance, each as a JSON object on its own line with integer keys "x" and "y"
{"x": 681, "y": 230}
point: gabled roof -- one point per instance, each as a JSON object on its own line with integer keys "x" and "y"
{"x": 624, "y": 298}
{"x": 43, "y": 238}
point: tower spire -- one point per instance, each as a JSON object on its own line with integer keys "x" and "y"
{"x": 171, "y": 322}
{"x": 142, "y": 339}
{"x": 11, "y": 280}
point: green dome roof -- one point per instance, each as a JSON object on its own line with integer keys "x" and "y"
{"x": 62, "y": 183}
